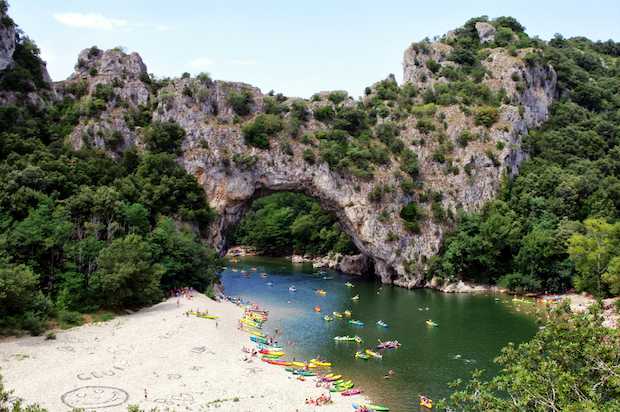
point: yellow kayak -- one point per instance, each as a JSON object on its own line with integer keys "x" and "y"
{"x": 337, "y": 314}
{"x": 373, "y": 354}
{"x": 321, "y": 292}
{"x": 320, "y": 363}
{"x": 431, "y": 323}
{"x": 347, "y": 313}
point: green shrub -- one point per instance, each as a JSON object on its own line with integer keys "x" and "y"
{"x": 164, "y": 137}
{"x": 68, "y": 319}
{"x": 376, "y": 194}
{"x": 464, "y": 138}
{"x": 337, "y": 97}
{"x": 324, "y": 113}
{"x": 309, "y": 156}
{"x": 425, "y": 125}
{"x": 257, "y": 132}
{"x": 241, "y": 101}
{"x": 486, "y": 116}
{"x": 433, "y": 66}
{"x": 411, "y": 215}
{"x": 409, "y": 163}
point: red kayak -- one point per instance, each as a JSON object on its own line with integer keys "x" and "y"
{"x": 276, "y": 362}
{"x": 351, "y": 392}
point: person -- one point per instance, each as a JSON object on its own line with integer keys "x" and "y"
{"x": 145, "y": 394}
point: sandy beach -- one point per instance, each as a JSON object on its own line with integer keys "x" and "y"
{"x": 155, "y": 358}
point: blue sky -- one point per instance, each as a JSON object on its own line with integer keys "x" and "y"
{"x": 293, "y": 47}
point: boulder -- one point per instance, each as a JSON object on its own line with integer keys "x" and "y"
{"x": 486, "y": 32}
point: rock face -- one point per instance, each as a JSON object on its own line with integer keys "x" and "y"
{"x": 486, "y": 32}
{"x": 7, "y": 40}
{"x": 233, "y": 174}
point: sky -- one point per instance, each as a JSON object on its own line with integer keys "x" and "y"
{"x": 293, "y": 47}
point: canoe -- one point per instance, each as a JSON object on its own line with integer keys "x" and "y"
{"x": 347, "y": 313}
{"x": 351, "y": 392}
{"x": 270, "y": 348}
{"x": 349, "y": 284}
{"x": 361, "y": 355}
{"x": 321, "y": 292}
{"x": 356, "y": 322}
{"x": 426, "y": 402}
{"x": 299, "y": 364}
{"x": 337, "y": 314}
{"x": 431, "y": 323}
{"x": 356, "y": 297}
{"x": 328, "y": 318}
{"x": 382, "y": 324}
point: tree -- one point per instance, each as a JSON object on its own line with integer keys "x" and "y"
{"x": 595, "y": 255}
{"x": 164, "y": 137}
{"x": 571, "y": 364}
{"x": 127, "y": 276}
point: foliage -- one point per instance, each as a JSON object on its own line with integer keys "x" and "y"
{"x": 486, "y": 116}
{"x": 285, "y": 223}
{"x": 411, "y": 215}
{"x": 241, "y": 101}
{"x": 573, "y": 174}
{"x": 596, "y": 254}
{"x": 164, "y": 137}
{"x": 258, "y": 131}
{"x": 571, "y": 364}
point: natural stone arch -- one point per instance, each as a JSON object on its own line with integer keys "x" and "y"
{"x": 233, "y": 173}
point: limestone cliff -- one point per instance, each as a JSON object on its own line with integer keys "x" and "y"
{"x": 233, "y": 173}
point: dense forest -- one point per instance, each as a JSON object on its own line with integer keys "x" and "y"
{"x": 553, "y": 227}
{"x": 81, "y": 231}
{"x": 287, "y": 222}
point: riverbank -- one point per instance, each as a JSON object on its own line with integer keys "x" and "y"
{"x": 156, "y": 358}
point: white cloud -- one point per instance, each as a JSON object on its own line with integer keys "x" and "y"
{"x": 243, "y": 62}
{"x": 90, "y": 21}
{"x": 201, "y": 63}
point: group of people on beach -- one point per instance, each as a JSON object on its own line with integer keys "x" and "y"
{"x": 321, "y": 400}
{"x": 186, "y": 292}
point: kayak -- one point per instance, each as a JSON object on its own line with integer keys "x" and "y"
{"x": 348, "y": 339}
{"x": 318, "y": 362}
{"x": 351, "y": 392}
{"x": 292, "y": 289}
{"x": 331, "y": 378}
{"x": 356, "y": 297}
{"x": 271, "y": 352}
{"x": 347, "y": 313}
{"x": 374, "y": 354}
{"x": 208, "y": 316}
{"x": 321, "y": 292}
{"x": 361, "y": 355}
{"x": 299, "y": 364}
{"x": 376, "y": 408}
{"x": 317, "y": 309}
{"x": 349, "y": 284}
{"x": 431, "y": 323}
{"x": 276, "y": 362}
{"x": 426, "y": 402}
{"x": 390, "y": 344}
{"x": 328, "y": 318}
{"x": 270, "y": 356}
{"x": 356, "y": 322}
{"x": 270, "y": 348}
{"x": 337, "y": 314}
{"x": 382, "y": 324}
{"x": 258, "y": 339}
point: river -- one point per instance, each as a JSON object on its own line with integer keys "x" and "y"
{"x": 470, "y": 333}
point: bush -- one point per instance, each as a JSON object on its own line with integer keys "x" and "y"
{"x": 425, "y": 125}
{"x": 164, "y": 137}
{"x": 68, "y": 319}
{"x": 376, "y": 194}
{"x": 257, "y": 132}
{"x": 411, "y": 215}
{"x": 324, "y": 113}
{"x": 241, "y": 102}
{"x": 337, "y": 97}
{"x": 486, "y": 116}
{"x": 409, "y": 163}
{"x": 433, "y": 66}
{"x": 309, "y": 156}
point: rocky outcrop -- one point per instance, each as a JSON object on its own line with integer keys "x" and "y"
{"x": 233, "y": 173}
{"x": 461, "y": 286}
{"x": 7, "y": 40}
{"x": 486, "y": 32}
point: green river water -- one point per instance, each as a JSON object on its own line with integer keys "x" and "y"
{"x": 471, "y": 328}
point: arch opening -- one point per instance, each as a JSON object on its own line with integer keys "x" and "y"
{"x": 291, "y": 223}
